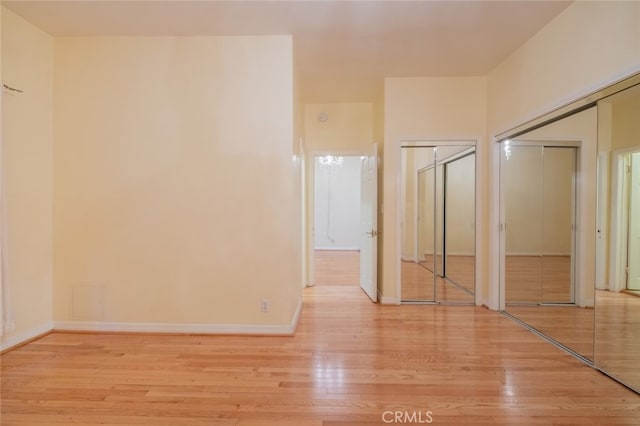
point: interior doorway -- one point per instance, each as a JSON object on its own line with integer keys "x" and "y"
{"x": 336, "y": 223}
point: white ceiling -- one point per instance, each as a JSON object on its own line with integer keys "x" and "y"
{"x": 343, "y": 49}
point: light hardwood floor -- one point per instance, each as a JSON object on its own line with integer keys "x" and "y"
{"x": 349, "y": 362}
{"x": 337, "y": 267}
{"x": 537, "y": 279}
{"x": 618, "y": 335}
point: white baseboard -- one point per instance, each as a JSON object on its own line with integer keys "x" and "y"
{"x": 296, "y": 317}
{"x": 337, "y": 248}
{"x": 140, "y": 327}
{"x": 383, "y": 300}
{"x": 460, "y": 253}
{"x": 536, "y": 253}
{"x": 13, "y": 339}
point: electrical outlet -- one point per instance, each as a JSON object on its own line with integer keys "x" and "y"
{"x": 265, "y": 305}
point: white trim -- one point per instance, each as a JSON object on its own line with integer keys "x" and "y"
{"x": 451, "y": 253}
{"x": 384, "y": 300}
{"x": 337, "y": 248}
{"x": 538, "y": 254}
{"x": 617, "y": 246}
{"x": 10, "y": 340}
{"x": 602, "y": 219}
{"x": 481, "y": 264}
{"x": 611, "y": 80}
{"x": 461, "y": 253}
{"x": 142, "y": 327}
{"x": 441, "y": 141}
{"x": 496, "y": 299}
{"x": 619, "y": 220}
{"x": 296, "y": 316}
{"x": 311, "y": 199}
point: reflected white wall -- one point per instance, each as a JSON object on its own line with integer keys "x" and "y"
{"x": 337, "y": 204}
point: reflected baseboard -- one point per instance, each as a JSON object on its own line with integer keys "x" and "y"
{"x": 635, "y": 293}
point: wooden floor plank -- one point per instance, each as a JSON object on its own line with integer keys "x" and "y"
{"x": 349, "y": 361}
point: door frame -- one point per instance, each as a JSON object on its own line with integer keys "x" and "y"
{"x": 309, "y": 227}
{"x": 479, "y": 205}
{"x": 602, "y": 218}
{"x": 619, "y": 219}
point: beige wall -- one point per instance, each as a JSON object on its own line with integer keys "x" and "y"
{"x": 349, "y": 126}
{"x": 298, "y": 233}
{"x": 625, "y": 131}
{"x": 587, "y": 46}
{"x": 176, "y": 182}
{"x": 430, "y": 107}
{"x": 27, "y": 60}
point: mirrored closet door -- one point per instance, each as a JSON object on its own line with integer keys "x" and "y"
{"x": 570, "y": 221}
{"x": 539, "y": 192}
{"x": 548, "y": 198}
{"x": 617, "y": 326}
{"x": 438, "y": 224}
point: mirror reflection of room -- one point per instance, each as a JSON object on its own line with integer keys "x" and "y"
{"x": 547, "y": 178}
{"x": 438, "y": 224}
{"x": 618, "y": 237}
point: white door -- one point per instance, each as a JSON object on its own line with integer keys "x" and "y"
{"x": 633, "y": 253}
{"x": 369, "y": 225}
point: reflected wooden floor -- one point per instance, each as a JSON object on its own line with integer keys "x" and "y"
{"x": 547, "y": 279}
{"x": 460, "y": 269}
{"x": 618, "y": 335}
{"x": 349, "y": 362}
{"x": 337, "y": 267}
{"x": 570, "y": 325}
{"x": 418, "y": 283}
{"x": 536, "y": 279}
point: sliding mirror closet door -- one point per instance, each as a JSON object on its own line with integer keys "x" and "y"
{"x": 521, "y": 171}
{"x": 417, "y": 262}
{"x": 558, "y": 224}
{"x": 617, "y": 343}
{"x": 539, "y": 190}
{"x": 547, "y": 191}
{"x": 459, "y": 229}
{"x": 426, "y": 218}
{"x": 438, "y": 224}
